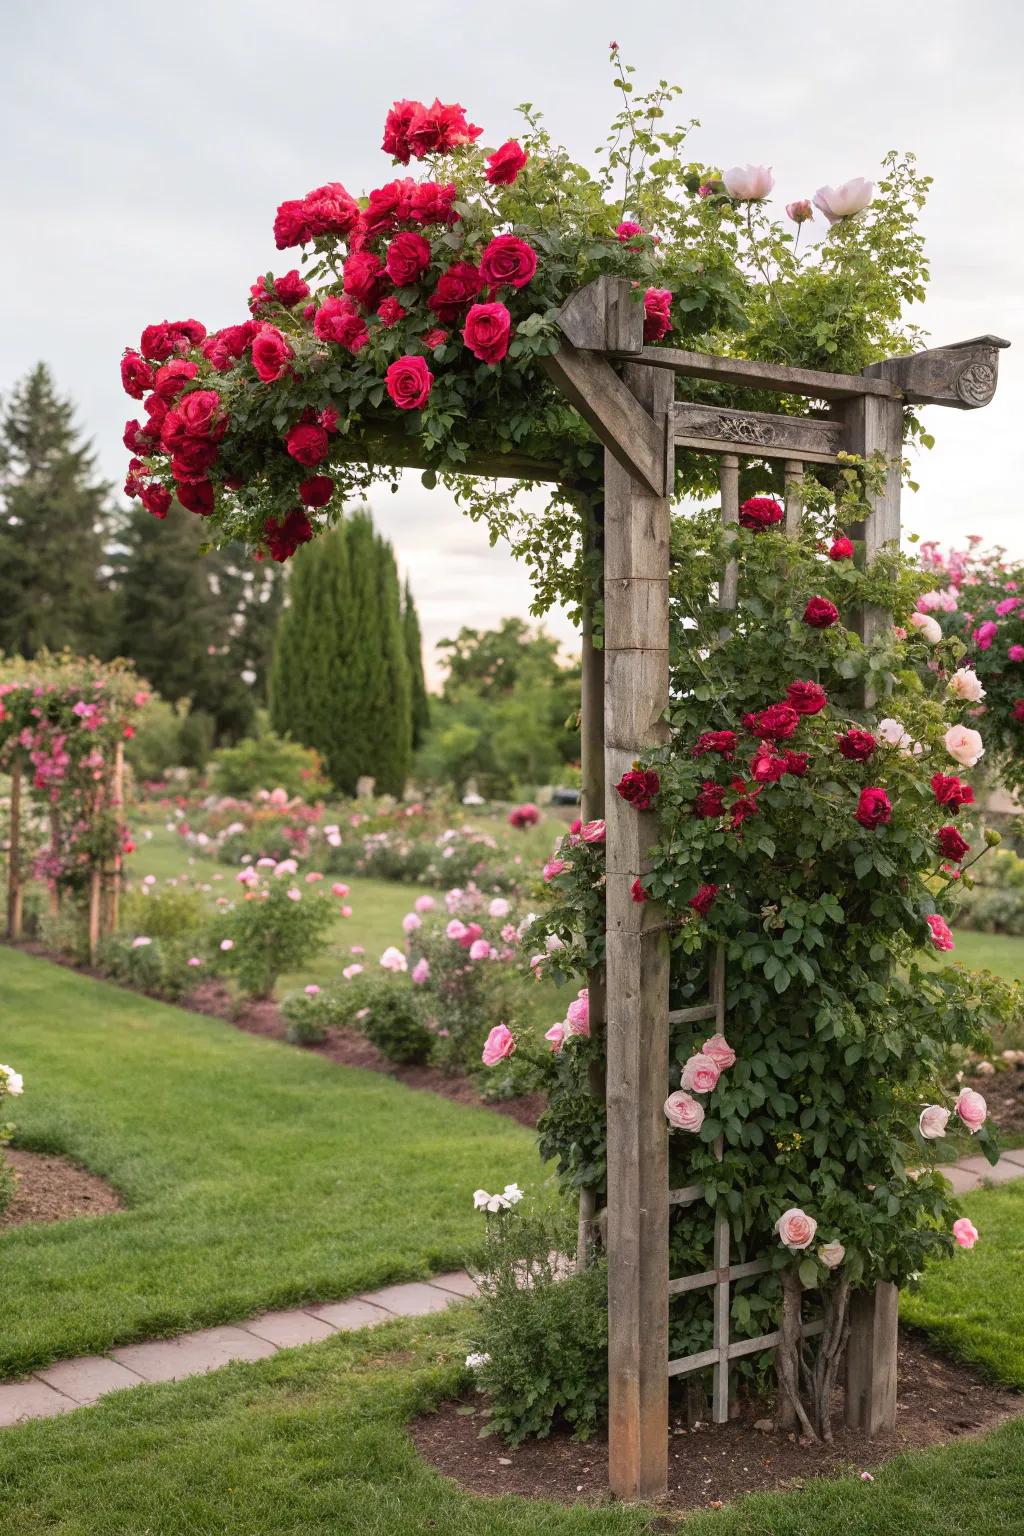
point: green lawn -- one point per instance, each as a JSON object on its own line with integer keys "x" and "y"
{"x": 256, "y": 1175}
{"x": 995, "y": 952}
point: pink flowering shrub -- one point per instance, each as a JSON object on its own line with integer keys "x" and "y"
{"x": 272, "y": 925}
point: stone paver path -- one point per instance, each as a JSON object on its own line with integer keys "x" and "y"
{"x": 72, "y": 1383}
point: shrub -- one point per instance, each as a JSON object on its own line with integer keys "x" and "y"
{"x": 10, "y": 1084}
{"x": 309, "y": 1016}
{"x": 156, "y": 745}
{"x": 176, "y": 912}
{"x": 264, "y": 762}
{"x": 159, "y": 967}
{"x": 275, "y": 926}
{"x": 467, "y": 995}
{"x": 389, "y": 1012}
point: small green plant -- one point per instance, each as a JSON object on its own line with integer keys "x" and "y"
{"x": 389, "y": 1012}
{"x": 157, "y": 966}
{"x": 274, "y": 926}
{"x": 310, "y": 1014}
{"x": 10, "y": 1087}
{"x": 267, "y": 761}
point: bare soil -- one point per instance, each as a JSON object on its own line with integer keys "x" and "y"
{"x": 1003, "y": 1091}
{"x": 55, "y": 1189}
{"x": 939, "y": 1401}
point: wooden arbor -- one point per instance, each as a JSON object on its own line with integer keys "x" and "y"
{"x": 626, "y": 392}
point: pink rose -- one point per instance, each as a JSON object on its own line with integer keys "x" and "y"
{"x": 577, "y": 1015}
{"x": 720, "y": 1052}
{"x": 456, "y": 929}
{"x": 553, "y": 868}
{"x": 972, "y": 1109}
{"x": 339, "y": 889}
{"x": 965, "y": 1232}
{"x": 964, "y": 745}
{"x": 684, "y": 1113}
{"x": 408, "y": 381}
{"x": 421, "y": 972}
{"x": 844, "y": 201}
{"x": 796, "y": 1229}
{"x": 410, "y": 922}
{"x": 932, "y": 1122}
{"x": 593, "y": 831}
{"x": 501, "y": 1042}
{"x": 748, "y": 183}
{"x": 480, "y": 950}
{"x": 939, "y": 929}
{"x": 555, "y": 1036}
{"x": 700, "y": 1074}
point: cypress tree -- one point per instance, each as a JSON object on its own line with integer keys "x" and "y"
{"x": 414, "y": 657}
{"x": 303, "y": 673}
{"x": 395, "y": 729}
{"x": 54, "y": 519}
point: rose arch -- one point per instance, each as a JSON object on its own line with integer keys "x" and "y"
{"x": 516, "y": 318}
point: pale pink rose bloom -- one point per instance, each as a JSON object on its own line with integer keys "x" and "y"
{"x": 195, "y": 960}
{"x": 510, "y": 934}
{"x": 553, "y": 868}
{"x": 498, "y": 907}
{"x": 393, "y": 960}
{"x": 410, "y": 922}
{"x": 844, "y": 201}
{"x": 720, "y": 1051}
{"x": 832, "y": 1254}
{"x": 227, "y": 944}
{"x": 593, "y": 831}
{"x": 266, "y": 863}
{"x": 358, "y": 949}
{"x": 312, "y": 990}
{"x": 748, "y": 183}
{"x": 286, "y": 867}
{"x": 346, "y": 911}
{"x": 480, "y": 949}
{"x": 313, "y": 877}
{"x": 684, "y": 1113}
{"x": 501, "y": 1042}
{"x": 972, "y": 1109}
{"x": 966, "y": 684}
{"x": 278, "y": 797}
{"x": 800, "y": 211}
{"x": 939, "y": 929}
{"x": 293, "y": 893}
{"x": 964, "y": 745}
{"x": 352, "y": 970}
{"x": 932, "y": 1122}
{"x": 928, "y": 628}
{"x": 339, "y": 889}
{"x": 894, "y": 733}
{"x": 965, "y": 1232}
{"x": 455, "y": 929}
{"x": 700, "y": 1074}
{"x": 424, "y": 903}
{"x": 246, "y": 876}
{"x": 421, "y": 971}
{"x": 553, "y": 942}
{"x": 140, "y": 942}
{"x": 577, "y": 1015}
{"x": 556, "y": 1036}
{"x": 796, "y": 1229}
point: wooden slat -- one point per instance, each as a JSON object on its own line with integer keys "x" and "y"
{"x": 685, "y": 1364}
{"x": 14, "y": 893}
{"x": 729, "y": 483}
{"x": 871, "y": 1360}
{"x": 693, "y": 1015}
{"x": 686, "y": 1195}
{"x": 720, "y": 1378}
{"x": 793, "y": 472}
{"x": 876, "y": 426}
{"x": 699, "y": 1282}
{"x": 610, "y": 408}
{"x": 714, "y": 428}
{"x": 774, "y": 378}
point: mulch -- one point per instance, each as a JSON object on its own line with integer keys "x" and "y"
{"x": 55, "y": 1189}
{"x": 939, "y": 1401}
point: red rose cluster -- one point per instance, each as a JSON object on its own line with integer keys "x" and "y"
{"x": 412, "y": 130}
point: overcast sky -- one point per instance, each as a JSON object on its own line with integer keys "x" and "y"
{"x": 146, "y": 148}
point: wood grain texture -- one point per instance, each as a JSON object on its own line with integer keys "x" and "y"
{"x": 776, "y": 378}
{"x": 963, "y": 376}
{"x": 714, "y": 429}
{"x": 619, "y": 421}
{"x": 871, "y": 1360}
{"x": 606, "y": 315}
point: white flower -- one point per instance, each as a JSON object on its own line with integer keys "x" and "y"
{"x": 844, "y": 201}
{"x": 476, "y": 1361}
{"x": 964, "y": 745}
{"x": 352, "y": 970}
{"x": 227, "y": 944}
{"x": 966, "y": 684}
{"x": 928, "y": 628}
{"x": 393, "y": 960}
{"x": 13, "y": 1081}
{"x": 498, "y": 907}
{"x": 748, "y": 183}
{"x": 932, "y": 1122}
{"x": 895, "y": 734}
{"x": 513, "y": 1194}
{"x": 510, "y": 1196}
{"x": 141, "y": 942}
{"x": 831, "y": 1254}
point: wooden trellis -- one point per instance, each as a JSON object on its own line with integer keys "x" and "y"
{"x": 626, "y": 392}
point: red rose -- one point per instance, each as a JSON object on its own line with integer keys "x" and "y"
{"x": 796, "y": 763}
{"x": 950, "y": 792}
{"x": 820, "y": 613}
{"x": 856, "y": 745}
{"x": 195, "y": 496}
{"x": 715, "y": 741}
{"x": 487, "y": 331}
{"x": 508, "y": 262}
{"x": 389, "y": 312}
{"x": 1018, "y": 709}
{"x": 435, "y": 338}
{"x": 408, "y": 255}
{"x": 338, "y": 320}
{"x": 710, "y": 799}
{"x": 628, "y": 230}
{"x": 287, "y": 290}
{"x": 455, "y": 289}
{"x": 307, "y": 443}
{"x": 225, "y": 346}
{"x": 742, "y": 808}
{"x": 657, "y": 314}
{"x": 271, "y": 353}
{"x": 765, "y": 767}
{"x": 841, "y": 548}
{"x": 396, "y": 130}
{"x": 327, "y": 210}
{"x": 806, "y": 698}
{"x": 759, "y": 513}
{"x": 704, "y": 899}
{"x": 317, "y": 490}
{"x": 873, "y": 808}
{"x": 284, "y": 535}
{"x": 328, "y": 419}
{"x": 172, "y": 377}
{"x": 436, "y": 129}
{"x": 776, "y": 723}
{"x": 170, "y": 337}
{"x": 136, "y": 375}
{"x": 408, "y": 382}
{"x": 637, "y": 891}
{"x": 156, "y": 499}
{"x": 638, "y": 787}
{"x": 505, "y": 164}
{"x": 136, "y": 439}
{"x": 364, "y": 278}
{"x": 192, "y": 457}
{"x": 388, "y": 206}
{"x": 431, "y": 203}
{"x": 951, "y": 845}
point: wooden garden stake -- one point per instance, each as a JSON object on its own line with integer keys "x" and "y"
{"x": 14, "y": 891}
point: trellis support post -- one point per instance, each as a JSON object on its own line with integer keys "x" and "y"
{"x": 871, "y": 1359}
{"x": 636, "y": 592}
{"x": 14, "y": 892}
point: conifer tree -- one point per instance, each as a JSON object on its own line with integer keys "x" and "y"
{"x": 417, "y": 681}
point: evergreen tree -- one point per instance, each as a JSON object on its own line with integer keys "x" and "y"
{"x": 395, "y": 726}
{"x": 303, "y": 674}
{"x": 417, "y": 681}
{"x": 54, "y": 518}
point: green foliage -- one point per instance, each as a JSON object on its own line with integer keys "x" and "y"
{"x": 273, "y": 926}
{"x": 390, "y": 1014}
{"x": 155, "y": 966}
{"x": 267, "y": 761}
{"x": 309, "y": 1016}
{"x": 8, "y": 1181}
{"x": 420, "y": 702}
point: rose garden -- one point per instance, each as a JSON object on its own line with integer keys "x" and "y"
{"x": 387, "y": 1155}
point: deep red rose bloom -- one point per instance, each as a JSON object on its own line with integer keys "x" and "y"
{"x": 307, "y": 443}
{"x": 317, "y": 490}
{"x": 396, "y": 130}
{"x": 820, "y": 613}
{"x": 192, "y": 458}
{"x": 156, "y": 409}
{"x": 156, "y": 499}
{"x": 198, "y": 414}
{"x": 743, "y": 808}
{"x": 715, "y": 741}
{"x": 628, "y": 230}
{"x": 710, "y": 799}
{"x": 638, "y": 787}
{"x": 1018, "y": 709}
{"x": 765, "y": 767}
{"x": 388, "y": 206}
{"x": 508, "y": 262}
{"x": 468, "y": 939}
{"x": 172, "y": 377}
{"x": 841, "y": 548}
{"x": 796, "y": 763}
{"x": 284, "y": 535}
{"x": 271, "y": 353}
{"x": 170, "y": 338}
{"x": 637, "y": 891}
{"x": 704, "y": 899}
{"x": 365, "y": 278}
{"x": 505, "y": 164}
{"x": 759, "y": 513}
{"x": 436, "y": 129}
{"x": 487, "y": 332}
{"x": 806, "y": 698}
{"x": 873, "y": 808}
{"x": 328, "y": 419}
{"x": 657, "y": 314}
{"x": 856, "y": 745}
{"x": 225, "y": 346}
{"x": 455, "y": 289}
{"x": 288, "y": 290}
{"x": 776, "y": 723}
{"x": 435, "y": 338}
{"x": 338, "y": 320}
{"x": 327, "y": 210}
{"x": 951, "y": 845}
{"x": 408, "y": 382}
{"x": 195, "y": 496}
{"x": 137, "y": 440}
{"x": 431, "y": 203}
{"x": 136, "y": 375}
{"x": 408, "y": 255}
{"x": 389, "y": 312}
{"x": 950, "y": 792}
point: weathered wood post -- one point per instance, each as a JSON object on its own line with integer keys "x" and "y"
{"x": 14, "y": 891}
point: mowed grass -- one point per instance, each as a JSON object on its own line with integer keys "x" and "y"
{"x": 256, "y": 1175}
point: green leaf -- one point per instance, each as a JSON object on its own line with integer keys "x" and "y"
{"x": 808, "y": 1273}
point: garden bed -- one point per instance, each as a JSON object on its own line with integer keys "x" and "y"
{"x": 55, "y": 1189}
{"x": 712, "y": 1464}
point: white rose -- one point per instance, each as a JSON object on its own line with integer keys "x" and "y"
{"x": 13, "y": 1081}
{"x": 895, "y": 734}
{"x": 964, "y": 745}
{"x": 966, "y": 684}
{"x": 831, "y": 1254}
{"x": 932, "y": 1122}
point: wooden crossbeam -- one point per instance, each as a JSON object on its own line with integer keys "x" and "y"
{"x": 714, "y": 428}
{"x": 612, "y": 411}
{"x": 686, "y": 1364}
